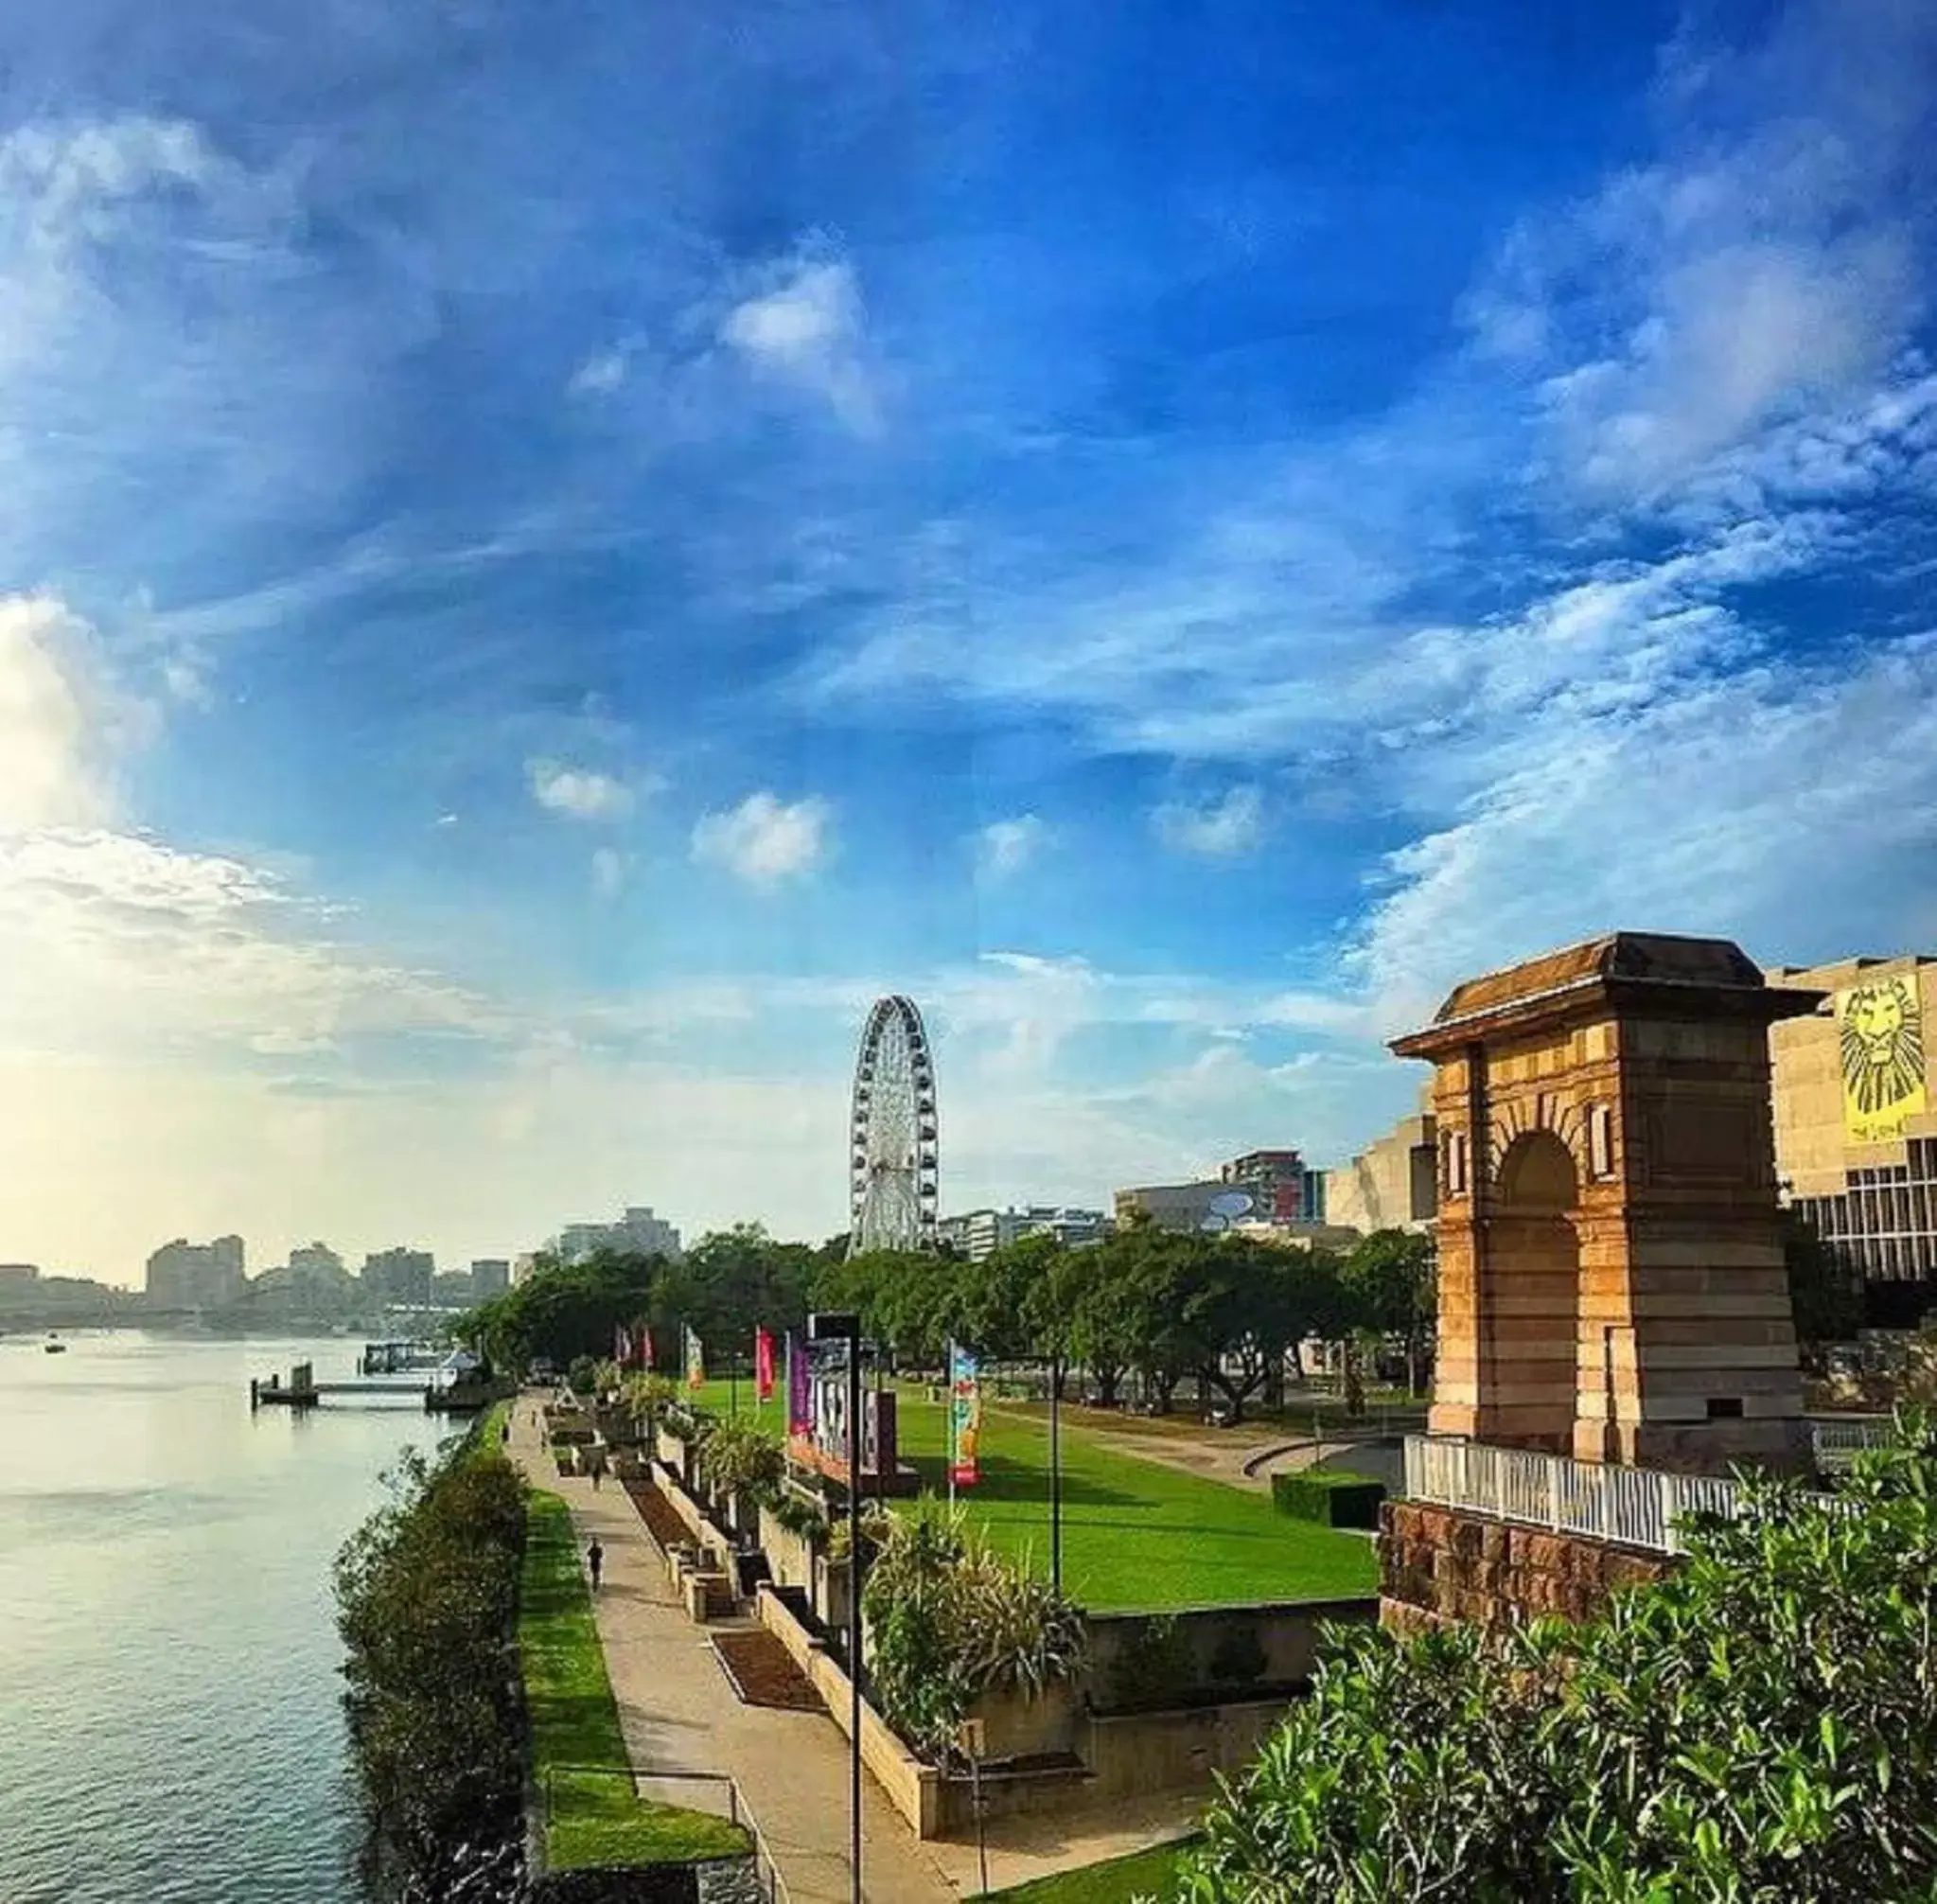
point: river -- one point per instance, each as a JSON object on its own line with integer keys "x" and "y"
{"x": 172, "y": 1732}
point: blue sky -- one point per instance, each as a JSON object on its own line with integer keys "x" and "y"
{"x": 549, "y": 556}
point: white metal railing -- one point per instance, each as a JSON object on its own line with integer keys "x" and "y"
{"x": 1632, "y": 1506}
{"x": 1839, "y": 1442}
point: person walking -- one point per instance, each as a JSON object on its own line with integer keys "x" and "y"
{"x": 598, "y": 1469}
{"x": 595, "y": 1561}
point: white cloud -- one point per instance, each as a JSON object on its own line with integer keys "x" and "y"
{"x": 1004, "y": 847}
{"x": 764, "y": 840}
{"x": 578, "y": 793}
{"x": 808, "y": 328}
{"x": 55, "y": 714}
{"x": 1798, "y": 814}
{"x": 600, "y": 375}
{"x": 119, "y": 943}
{"x": 1765, "y": 261}
{"x": 1222, "y": 830}
{"x": 609, "y": 871}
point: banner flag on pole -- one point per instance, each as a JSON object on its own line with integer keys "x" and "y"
{"x": 965, "y": 1415}
{"x": 622, "y": 1344}
{"x": 763, "y": 1364}
{"x": 646, "y": 1345}
{"x": 800, "y": 1388}
{"x": 695, "y": 1359}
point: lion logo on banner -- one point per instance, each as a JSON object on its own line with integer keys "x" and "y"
{"x": 1882, "y": 1027}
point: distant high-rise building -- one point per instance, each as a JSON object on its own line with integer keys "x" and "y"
{"x": 452, "y": 1289}
{"x": 639, "y": 1232}
{"x": 316, "y": 1262}
{"x": 399, "y": 1276}
{"x": 1286, "y": 1189}
{"x": 184, "y": 1275}
{"x": 1271, "y": 1188}
{"x": 522, "y": 1265}
{"x": 490, "y": 1276}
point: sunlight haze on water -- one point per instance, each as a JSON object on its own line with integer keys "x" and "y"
{"x": 169, "y": 1654}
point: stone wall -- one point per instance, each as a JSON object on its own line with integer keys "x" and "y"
{"x": 1203, "y": 1656}
{"x": 1439, "y": 1563}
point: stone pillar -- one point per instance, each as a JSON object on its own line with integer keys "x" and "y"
{"x": 1606, "y": 1179}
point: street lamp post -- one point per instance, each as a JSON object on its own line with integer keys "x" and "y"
{"x": 841, "y": 1326}
{"x": 1056, "y": 1472}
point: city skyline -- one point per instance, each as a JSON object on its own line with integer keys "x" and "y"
{"x": 554, "y": 561}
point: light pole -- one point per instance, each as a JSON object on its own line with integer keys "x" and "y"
{"x": 842, "y": 1326}
{"x": 1055, "y": 1474}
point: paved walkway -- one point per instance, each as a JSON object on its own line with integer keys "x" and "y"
{"x": 680, "y": 1713}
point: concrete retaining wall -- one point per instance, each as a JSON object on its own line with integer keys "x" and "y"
{"x": 1210, "y": 1656}
{"x": 789, "y": 1557}
{"x": 1442, "y": 1564}
{"x": 1137, "y": 1754}
{"x": 913, "y": 1789}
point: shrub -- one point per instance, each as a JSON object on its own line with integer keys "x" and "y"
{"x": 583, "y": 1376}
{"x": 740, "y": 1457}
{"x": 1762, "y": 1725}
{"x": 1331, "y": 1497}
{"x": 948, "y": 1619}
{"x": 798, "y": 1515}
{"x": 427, "y": 1592}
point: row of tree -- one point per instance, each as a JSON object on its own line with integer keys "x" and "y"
{"x": 1165, "y": 1306}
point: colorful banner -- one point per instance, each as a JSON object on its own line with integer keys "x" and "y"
{"x": 645, "y": 1333}
{"x": 965, "y": 1415}
{"x": 1881, "y": 1027}
{"x": 763, "y": 1364}
{"x": 622, "y": 1344}
{"x": 800, "y": 1389}
{"x": 695, "y": 1359}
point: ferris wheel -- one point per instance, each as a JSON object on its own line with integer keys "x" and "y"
{"x": 895, "y": 1147}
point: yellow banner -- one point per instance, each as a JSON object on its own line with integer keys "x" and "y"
{"x": 1881, "y": 1026}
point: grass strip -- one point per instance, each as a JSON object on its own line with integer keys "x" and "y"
{"x": 592, "y": 1813}
{"x": 1115, "y": 1881}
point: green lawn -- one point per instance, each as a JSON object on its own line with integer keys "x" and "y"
{"x": 1135, "y": 1534}
{"x": 578, "y": 1752}
{"x": 1142, "y": 1874}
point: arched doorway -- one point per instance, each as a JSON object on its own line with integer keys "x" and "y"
{"x": 1532, "y": 1319}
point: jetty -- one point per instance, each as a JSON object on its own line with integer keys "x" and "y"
{"x": 464, "y": 1394}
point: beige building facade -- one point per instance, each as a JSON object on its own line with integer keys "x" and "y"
{"x": 1391, "y": 1184}
{"x": 1856, "y": 1121}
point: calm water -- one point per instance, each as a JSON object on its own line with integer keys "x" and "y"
{"x": 169, "y": 1725}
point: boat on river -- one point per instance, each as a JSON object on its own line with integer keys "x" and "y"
{"x": 54, "y": 1346}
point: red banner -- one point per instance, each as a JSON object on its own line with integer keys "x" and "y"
{"x": 646, "y": 1345}
{"x": 763, "y": 1364}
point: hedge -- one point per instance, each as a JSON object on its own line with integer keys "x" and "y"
{"x": 1332, "y": 1497}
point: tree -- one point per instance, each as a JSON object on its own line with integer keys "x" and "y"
{"x": 1759, "y": 1728}
{"x": 1252, "y": 1303}
{"x": 1826, "y": 1297}
{"x": 1389, "y": 1281}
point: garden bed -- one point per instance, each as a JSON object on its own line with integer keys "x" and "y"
{"x": 763, "y": 1672}
{"x": 661, "y": 1519}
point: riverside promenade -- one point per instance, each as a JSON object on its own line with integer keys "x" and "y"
{"x": 680, "y": 1713}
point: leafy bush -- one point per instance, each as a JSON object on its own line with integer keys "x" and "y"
{"x": 948, "y": 1619}
{"x": 1762, "y": 1725}
{"x": 798, "y": 1515}
{"x": 583, "y": 1375}
{"x": 427, "y": 1593}
{"x": 1333, "y": 1498}
{"x": 741, "y": 1458}
{"x": 647, "y": 1398}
